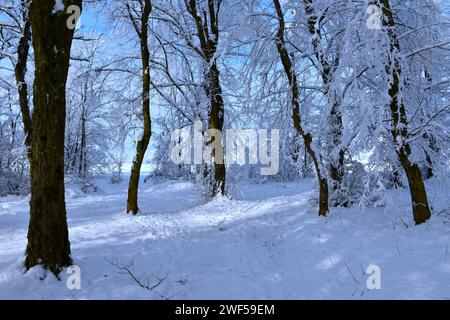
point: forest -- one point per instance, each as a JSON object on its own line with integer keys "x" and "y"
{"x": 224, "y": 149}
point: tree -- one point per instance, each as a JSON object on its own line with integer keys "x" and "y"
{"x": 88, "y": 125}
{"x": 18, "y": 28}
{"x": 14, "y": 178}
{"x": 399, "y": 130}
{"x": 296, "y": 115}
{"x": 141, "y": 29}
{"x": 20, "y": 71}
{"x": 15, "y": 35}
{"x": 48, "y": 238}
{"x": 208, "y": 33}
{"x": 328, "y": 56}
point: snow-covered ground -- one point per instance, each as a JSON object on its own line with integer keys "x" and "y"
{"x": 266, "y": 243}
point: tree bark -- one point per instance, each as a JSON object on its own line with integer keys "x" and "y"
{"x": 82, "y": 165}
{"x": 20, "y": 72}
{"x": 213, "y": 89}
{"x": 336, "y": 166}
{"x": 429, "y": 167}
{"x": 48, "y": 237}
{"x": 142, "y": 144}
{"x": 399, "y": 131}
{"x": 216, "y": 120}
{"x": 296, "y": 116}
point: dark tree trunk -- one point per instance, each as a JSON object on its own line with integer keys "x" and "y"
{"x": 48, "y": 238}
{"x": 216, "y": 120}
{"x": 20, "y": 72}
{"x": 336, "y": 166}
{"x": 429, "y": 138}
{"x": 213, "y": 89}
{"x": 428, "y": 161}
{"x": 82, "y": 165}
{"x": 307, "y": 137}
{"x": 420, "y": 207}
{"x": 337, "y": 175}
{"x": 399, "y": 131}
{"x": 142, "y": 144}
{"x": 429, "y": 166}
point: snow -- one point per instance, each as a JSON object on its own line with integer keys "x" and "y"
{"x": 59, "y": 6}
{"x": 266, "y": 243}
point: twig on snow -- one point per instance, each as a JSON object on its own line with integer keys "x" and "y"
{"x": 143, "y": 283}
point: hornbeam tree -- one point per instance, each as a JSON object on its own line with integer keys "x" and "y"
{"x": 48, "y": 236}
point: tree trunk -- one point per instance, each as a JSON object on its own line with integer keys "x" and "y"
{"x": 428, "y": 162}
{"x": 399, "y": 131}
{"x": 337, "y": 175}
{"x": 430, "y": 139}
{"x": 307, "y": 137}
{"x": 216, "y": 120}
{"x": 20, "y": 72}
{"x": 48, "y": 237}
{"x": 335, "y": 116}
{"x": 142, "y": 144}
{"x": 208, "y": 45}
{"x": 420, "y": 207}
{"x": 82, "y": 166}
{"x": 337, "y": 164}
{"x": 429, "y": 166}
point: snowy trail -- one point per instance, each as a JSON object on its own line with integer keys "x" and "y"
{"x": 266, "y": 243}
